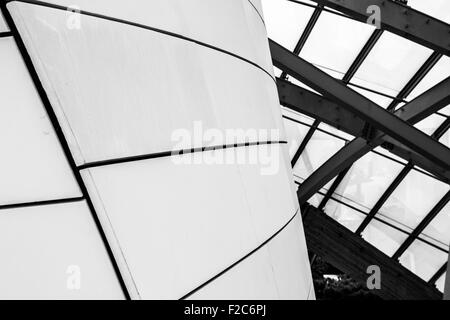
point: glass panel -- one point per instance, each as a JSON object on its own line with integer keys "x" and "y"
{"x": 295, "y": 134}
{"x": 413, "y": 199}
{"x": 335, "y": 42}
{"x": 297, "y": 116}
{"x": 445, "y": 139}
{"x": 315, "y": 200}
{"x": 218, "y": 215}
{"x": 318, "y": 150}
{"x": 258, "y": 6}
{"x": 379, "y": 99}
{"x": 335, "y": 131}
{"x": 438, "y": 231}
{"x": 445, "y": 110}
{"x": 290, "y": 264}
{"x": 110, "y": 107}
{"x": 45, "y": 248}
{"x": 423, "y": 259}
{"x": 202, "y": 20}
{"x": 438, "y": 73}
{"x": 391, "y": 64}
{"x": 3, "y": 26}
{"x": 278, "y": 270}
{"x": 390, "y": 155}
{"x": 252, "y": 278}
{"x": 286, "y": 21}
{"x": 32, "y": 164}
{"x": 430, "y": 124}
{"x": 348, "y": 217}
{"x": 367, "y": 180}
{"x": 439, "y": 9}
{"x": 383, "y": 237}
{"x": 440, "y": 284}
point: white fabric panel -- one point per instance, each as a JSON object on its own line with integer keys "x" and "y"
{"x": 252, "y": 278}
{"x": 226, "y": 24}
{"x": 44, "y": 249}
{"x": 3, "y": 25}
{"x": 119, "y": 90}
{"x": 32, "y": 164}
{"x": 258, "y": 6}
{"x": 278, "y": 270}
{"x": 194, "y": 219}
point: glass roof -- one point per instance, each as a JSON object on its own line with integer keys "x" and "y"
{"x": 333, "y": 44}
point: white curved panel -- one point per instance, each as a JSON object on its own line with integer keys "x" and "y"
{"x": 208, "y": 21}
{"x": 32, "y": 164}
{"x": 193, "y": 219}
{"x": 119, "y": 90}
{"x": 278, "y": 270}
{"x": 3, "y": 25}
{"x": 258, "y": 6}
{"x": 54, "y": 252}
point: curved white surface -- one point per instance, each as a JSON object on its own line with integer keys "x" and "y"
{"x": 192, "y": 220}
{"x": 275, "y": 271}
{"x": 44, "y": 249}
{"x": 119, "y": 90}
{"x": 32, "y": 164}
{"x": 232, "y": 25}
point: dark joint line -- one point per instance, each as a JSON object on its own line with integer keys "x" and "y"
{"x": 240, "y": 260}
{"x": 142, "y": 26}
{"x": 164, "y": 154}
{"x": 40, "y": 203}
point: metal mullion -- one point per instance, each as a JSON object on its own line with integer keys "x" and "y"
{"x": 305, "y": 34}
{"x": 347, "y": 77}
{"x": 438, "y": 274}
{"x": 333, "y": 188}
{"x": 423, "y": 224}
{"x": 305, "y": 141}
{"x": 442, "y": 129}
{"x": 415, "y": 80}
{"x": 376, "y": 35}
{"x": 384, "y": 197}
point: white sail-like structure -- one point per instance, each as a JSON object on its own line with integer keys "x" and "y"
{"x": 96, "y": 200}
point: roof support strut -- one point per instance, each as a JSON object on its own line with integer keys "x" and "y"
{"x": 399, "y": 19}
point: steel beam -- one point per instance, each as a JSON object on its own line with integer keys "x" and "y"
{"x": 353, "y": 255}
{"x": 359, "y": 105}
{"x": 399, "y": 19}
{"x": 305, "y": 141}
{"x": 319, "y": 107}
{"x": 304, "y": 101}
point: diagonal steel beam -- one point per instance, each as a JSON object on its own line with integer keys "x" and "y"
{"x": 360, "y": 105}
{"x": 319, "y": 107}
{"x": 413, "y": 112}
{"x": 399, "y": 19}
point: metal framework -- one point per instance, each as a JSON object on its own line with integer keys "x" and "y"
{"x": 352, "y": 255}
{"x": 399, "y": 19}
{"x": 335, "y": 111}
{"x": 300, "y": 99}
{"x": 359, "y": 105}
